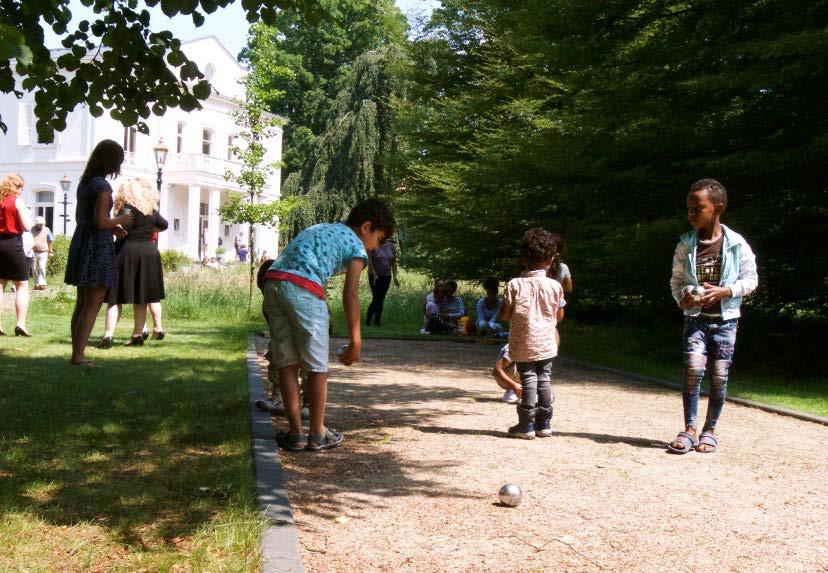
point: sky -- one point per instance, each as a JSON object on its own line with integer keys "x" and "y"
{"x": 228, "y": 25}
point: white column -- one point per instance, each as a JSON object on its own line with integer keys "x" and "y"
{"x": 166, "y": 212}
{"x": 213, "y": 203}
{"x": 193, "y": 205}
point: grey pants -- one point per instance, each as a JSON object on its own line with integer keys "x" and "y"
{"x": 536, "y": 380}
{"x": 40, "y": 267}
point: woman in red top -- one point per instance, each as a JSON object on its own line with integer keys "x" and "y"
{"x": 14, "y": 219}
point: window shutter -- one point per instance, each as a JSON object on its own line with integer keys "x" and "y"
{"x": 25, "y": 124}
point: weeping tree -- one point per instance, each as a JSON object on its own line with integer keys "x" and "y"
{"x": 356, "y": 156}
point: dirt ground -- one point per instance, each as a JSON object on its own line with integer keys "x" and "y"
{"x": 414, "y": 486}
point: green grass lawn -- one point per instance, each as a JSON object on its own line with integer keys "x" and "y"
{"x": 143, "y": 463}
{"x": 654, "y": 350}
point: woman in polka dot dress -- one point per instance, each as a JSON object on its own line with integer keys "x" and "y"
{"x": 91, "y": 265}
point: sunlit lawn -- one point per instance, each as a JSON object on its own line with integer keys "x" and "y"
{"x": 140, "y": 464}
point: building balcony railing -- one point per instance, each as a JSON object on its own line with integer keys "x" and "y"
{"x": 188, "y": 162}
{"x": 200, "y": 162}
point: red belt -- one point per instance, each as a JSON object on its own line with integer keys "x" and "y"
{"x": 307, "y": 284}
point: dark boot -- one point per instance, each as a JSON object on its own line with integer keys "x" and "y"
{"x": 525, "y": 428}
{"x": 543, "y": 422}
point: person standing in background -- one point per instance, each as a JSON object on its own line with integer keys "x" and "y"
{"x": 14, "y": 221}
{"x": 42, "y": 236}
{"x": 92, "y": 265}
{"x": 382, "y": 268}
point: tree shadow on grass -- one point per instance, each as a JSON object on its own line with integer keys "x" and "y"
{"x": 147, "y": 447}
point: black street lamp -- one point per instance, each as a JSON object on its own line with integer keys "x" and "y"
{"x": 160, "y": 158}
{"x": 65, "y": 183}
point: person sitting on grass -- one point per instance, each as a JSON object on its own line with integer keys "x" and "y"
{"x": 722, "y": 262}
{"x": 452, "y": 308}
{"x": 429, "y": 303}
{"x": 533, "y": 303}
{"x": 488, "y": 307}
{"x": 294, "y": 299}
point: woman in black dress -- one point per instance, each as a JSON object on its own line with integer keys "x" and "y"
{"x": 14, "y": 221}
{"x": 140, "y": 278}
{"x": 91, "y": 262}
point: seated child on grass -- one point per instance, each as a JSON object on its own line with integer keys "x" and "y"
{"x": 488, "y": 307}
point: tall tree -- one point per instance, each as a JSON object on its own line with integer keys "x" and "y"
{"x": 117, "y": 48}
{"x": 593, "y": 119}
{"x": 321, "y": 58}
{"x": 356, "y": 157}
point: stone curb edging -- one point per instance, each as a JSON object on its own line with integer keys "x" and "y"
{"x": 279, "y": 549}
{"x": 659, "y": 381}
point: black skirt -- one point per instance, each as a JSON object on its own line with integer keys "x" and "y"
{"x": 140, "y": 278}
{"x": 12, "y": 260}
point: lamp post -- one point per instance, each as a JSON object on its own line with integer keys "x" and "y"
{"x": 160, "y": 151}
{"x": 65, "y": 183}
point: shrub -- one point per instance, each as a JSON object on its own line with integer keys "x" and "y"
{"x": 172, "y": 259}
{"x": 56, "y": 264}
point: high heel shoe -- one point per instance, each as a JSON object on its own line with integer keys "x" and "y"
{"x": 20, "y": 332}
{"x": 137, "y": 340}
{"x": 106, "y": 343}
{"x": 158, "y": 335}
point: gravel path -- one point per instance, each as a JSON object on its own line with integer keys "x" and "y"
{"x": 413, "y": 489}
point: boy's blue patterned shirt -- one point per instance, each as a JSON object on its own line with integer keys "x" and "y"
{"x": 321, "y": 251}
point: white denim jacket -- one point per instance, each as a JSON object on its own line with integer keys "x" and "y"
{"x": 738, "y": 270}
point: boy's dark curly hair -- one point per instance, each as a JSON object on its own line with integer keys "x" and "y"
{"x": 375, "y": 211}
{"x": 537, "y": 246}
{"x": 715, "y": 190}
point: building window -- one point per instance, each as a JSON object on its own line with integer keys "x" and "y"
{"x": 179, "y": 144}
{"x": 176, "y": 225}
{"x": 27, "y": 128}
{"x": 230, "y": 140}
{"x": 202, "y": 209}
{"x": 129, "y": 139}
{"x": 227, "y": 230}
{"x": 209, "y": 72}
{"x": 45, "y": 207}
{"x": 206, "y": 141}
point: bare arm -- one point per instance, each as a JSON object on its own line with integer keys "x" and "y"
{"x": 506, "y": 310}
{"x": 23, "y": 211}
{"x": 503, "y": 379}
{"x": 102, "y": 219}
{"x": 567, "y": 285}
{"x": 350, "y": 303}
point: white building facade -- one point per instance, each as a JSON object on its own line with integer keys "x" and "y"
{"x": 193, "y": 180}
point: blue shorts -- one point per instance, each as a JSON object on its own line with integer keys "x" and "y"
{"x": 298, "y": 326}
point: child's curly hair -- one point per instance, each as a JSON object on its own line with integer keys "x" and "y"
{"x": 537, "y": 246}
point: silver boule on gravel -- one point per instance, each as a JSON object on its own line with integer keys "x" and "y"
{"x": 510, "y": 494}
{"x": 343, "y": 348}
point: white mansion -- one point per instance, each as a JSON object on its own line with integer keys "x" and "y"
{"x": 193, "y": 186}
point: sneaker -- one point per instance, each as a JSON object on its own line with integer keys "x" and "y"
{"x": 272, "y": 405}
{"x": 424, "y": 331}
{"x": 510, "y": 397}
